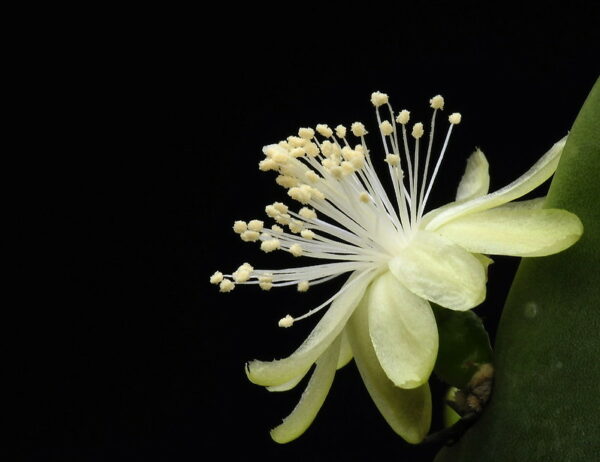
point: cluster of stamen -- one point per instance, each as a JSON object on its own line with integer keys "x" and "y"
{"x": 325, "y": 173}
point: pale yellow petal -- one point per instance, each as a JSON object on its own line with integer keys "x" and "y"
{"x": 312, "y": 398}
{"x": 345, "y": 351}
{"x": 279, "y": 372}
{"x": 408, "y": 412}
{"x": 440, "y": 271}
{"x": 513, "y": 230}
{"x": 535, "y": 176}
{"x": 475, "y": 182}
{"x": 403, "y": 331}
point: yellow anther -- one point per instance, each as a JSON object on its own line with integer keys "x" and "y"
{"x": 216, "y": 278}
{"x": 393, "y": 159}
{"x": 437, "y": 102}
{"x": 340, "y": 131}
{"x": 324, "y": 130}
{"x": 240, "y": 226}
{"x": 306, "y": 133}
{"x": 303, "y": 286}
{"x": 288, "y": 321}
{"x": 386, "y": 128}
{"x": 358, "y": 129}
{"x": 403, "y": 117}
{"x": 307, "y": 234}
{"x": 418, "y": 131}
{"x": 256, "y": 225}
{"x": 250, "y": 236}
{"x": 296, "y": 250}
{"x": 378, "y": 98}
{"x": 270, "y": 245}
{"x": 455, "y": 118}
{"x": 226, "y": 285}
{"x": 307, "y": 214}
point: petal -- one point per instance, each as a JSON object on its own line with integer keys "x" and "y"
{"x": 476, "y": 180}
{"x": 403, "y": 331}
{"x": 440, "y": 271}
{"x": 408, "y": 412}
{"x": 312, "y": 398}
{"x": 345, "y": 351}
{"x": 535, "y": 176}
{"x": 278, "y": 372}
{"x": 515, "y": 229}
{"x": 287, "y": 385}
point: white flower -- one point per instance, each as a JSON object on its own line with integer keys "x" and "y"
{"x": 400, "y": 259}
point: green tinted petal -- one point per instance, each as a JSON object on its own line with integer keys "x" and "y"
{"x": 535, "y": 176}
{"x": 515, "y": 230}
{"x": 312, "y": 399}
{"x": 440, "y": 271}
{"x": 403, "y": 332}
{"x": 475, "y": 182}
{"x": 278, "y": 372}
{"x": 408, "y": 412}
{"x": 345, "y": 351}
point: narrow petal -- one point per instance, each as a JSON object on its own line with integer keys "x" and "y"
{"x": 476, "y": 180}
{"x": 408, "y": 412}
{"x": 312, "y": 398}
{"x": 440, "y": 271}
{"x": 287, "y": 385}
{"x": 278, "y": 372}
{"x": 535, "y": 176}
{"x": 515, "y": 230}
{"x": 403, "y": 332}
{"x": 345, "y": 351}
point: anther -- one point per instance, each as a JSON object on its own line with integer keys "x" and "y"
{"x": 306, "y": 133}
{"x": 455, "y": 118}
{"x": 288, "y": 321}
{"x": 393, "y": 159}
{"x": 307, "y": 214}
{"x": 256, "y": 225}
{"x": 240, "y": 226}
{"x": 437, "y": 102}
{"x": 307, "y": 234}
{"x": 378, "y": 98}
{"x": 303, "y": 286}
{"x": 226, "y": 285}
{"x": 296, "y": 250}
{"x": 417, "y": 131}
{"x": 340, "y": 131}
{"x": 216, "y": 278}
{"x": 270, "y": 245}
{"x": 364, "y": 197}
{"x": 250, "y": 236}
{"x": 386, "y": 128}
{"x": 403, "y": 117}
{"x": 324, "y": 130}
{"x": 358, "y": 129}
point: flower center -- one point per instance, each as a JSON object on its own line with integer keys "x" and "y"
{"x": 334, "y": 179}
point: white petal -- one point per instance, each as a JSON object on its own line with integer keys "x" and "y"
{"x": 408, "y": 412}
{"x": 476, "y": 180}
{"x": 403, "y": 331}
{"x": 312, "y": 398}
{"x": 535, "y": 176}
{"x": 440, "y": 271}
{"x": 345, "y": 351}
{"x": 515, "y": 229}
{"x": 278, "y": 372}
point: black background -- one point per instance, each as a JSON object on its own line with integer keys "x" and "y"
{"x": 131, "y": 354}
